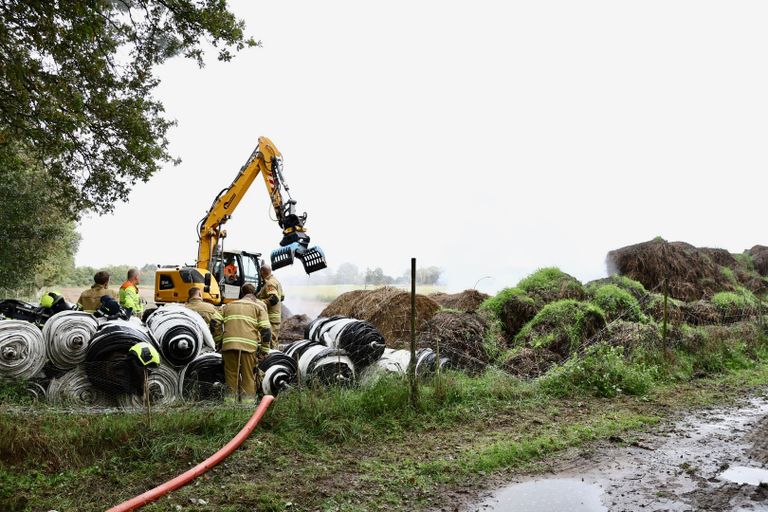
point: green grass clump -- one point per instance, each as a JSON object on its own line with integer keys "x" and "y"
{"x": 550, "y": 284}
{"x": 735, "y": 305}
{"x": 562, "y": 326}
{"x": 603, "y": 371}
{"x": 636, "y": 288}
{"x": 496, "y": 303}
{"x": 618, "y": 303}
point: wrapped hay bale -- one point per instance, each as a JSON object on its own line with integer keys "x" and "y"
{"x": 203, "y": 378}
{"x": 530, "y": 363}
{"x": 293, "y": 328}
{"x": 387, "y": 308}
{"x": 67, "y": 335}
{"x": 74, "y": 389}
{"x": 562, "y": 327}
{"x": 460, "y": 337}
{"x": 701, "y": 312}
{"x": 468, "y": 300}
{"x": 162, "y": 389}
{"x": 22, "y": 350}
{"x": 690, "y": 274}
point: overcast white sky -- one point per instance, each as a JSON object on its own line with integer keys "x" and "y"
{"x": 487, "y": 138}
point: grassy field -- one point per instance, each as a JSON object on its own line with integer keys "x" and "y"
{"x": 341, "y": 449}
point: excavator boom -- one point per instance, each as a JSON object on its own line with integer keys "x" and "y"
{"x": 267, "y": 161}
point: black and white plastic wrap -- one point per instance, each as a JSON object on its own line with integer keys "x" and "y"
{"x": 363, "y": 343}
{"x": 74, "y": 389}
{"x": 280, "y": 372}
{"x": 322, "y": 365}
{"x": 22, "y": 350}
{"x": 162, "y": 389}
{"x": 107, "y": 350}
{"x": 203, "y": 378}
{"x": 67, "y": 335}
{"x": 181, "y": 333}
{"x": 397, "y": 361}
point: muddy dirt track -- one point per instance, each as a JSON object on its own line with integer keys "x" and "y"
{"x": 683, "y": 465}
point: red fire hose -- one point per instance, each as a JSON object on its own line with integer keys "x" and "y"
{"x": 185, "y": 478}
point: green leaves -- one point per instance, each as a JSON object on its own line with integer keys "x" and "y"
{"x": 76, "y": 83}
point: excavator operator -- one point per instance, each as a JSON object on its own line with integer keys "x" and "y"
{"x": 230, "y": 271}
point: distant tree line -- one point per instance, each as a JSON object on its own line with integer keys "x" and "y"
{"x": 349, "y": 273}
{"x": 83, "y": 276}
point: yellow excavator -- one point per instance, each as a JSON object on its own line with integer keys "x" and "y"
{"x": 221, "y": 273}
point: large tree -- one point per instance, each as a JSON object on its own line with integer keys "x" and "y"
{"x": 76, "y": 83}
{"x": 78, "y": 123}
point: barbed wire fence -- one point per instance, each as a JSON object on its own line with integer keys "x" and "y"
{"x": 55, "y": 377}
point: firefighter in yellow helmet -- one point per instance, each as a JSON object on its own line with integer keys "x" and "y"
{"x": 272, "y": 295}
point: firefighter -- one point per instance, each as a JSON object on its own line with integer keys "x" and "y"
{"x": 210, "y": 314}
{"x": 272, "y": 295}
{"x": 90, "y": 299}
{"x": 129, "y": 293}
{"x": 246, "y": 341}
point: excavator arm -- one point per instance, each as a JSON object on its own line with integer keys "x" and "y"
{"x": 267, "y": 161}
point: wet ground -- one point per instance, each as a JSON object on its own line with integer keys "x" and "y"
{"x": 713, "y": 459}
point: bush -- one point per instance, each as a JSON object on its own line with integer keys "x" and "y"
{"x": 618, "y": 303}
{"x": 602, "y": 372}
{"x": 562, "y": 326}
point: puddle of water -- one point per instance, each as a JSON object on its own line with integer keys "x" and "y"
{"x": 551, "y": 495}
{"x": 745, "y": 475}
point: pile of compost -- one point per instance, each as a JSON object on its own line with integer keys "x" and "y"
{"x": 458, "y": 336}
{"x": 387, "y": 308}
{"x": 467, "y": 301}
{"x": 293, "y": 328}
{"x": 530, "y": 363}
{"x": 691, "y": 273}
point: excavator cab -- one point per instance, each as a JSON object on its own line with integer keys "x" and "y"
{"x": 233, "y": 269}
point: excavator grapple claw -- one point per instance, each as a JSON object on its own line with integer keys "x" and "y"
{"x": 313, "y": 259}
{"x": 283, "y": 256}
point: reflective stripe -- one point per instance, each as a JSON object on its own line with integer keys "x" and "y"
{"x": 245, "y": 318}
{"x": 238, "y": 339}
{"x": 264, "y": 324}
{"x": 275, "y": 317}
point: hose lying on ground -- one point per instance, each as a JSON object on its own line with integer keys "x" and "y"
{"x": 181, "y": 333}
{"x": 203, "y": 378}
{"x": 362, "y": 342}
{"x": 106, "y": 358}
{"x": 185, "y": 478}
{"x": 74, "y": 388}
{"x": 19, "y": 310}
{"x": 162, "y": 389}
{"x": 279, "y": 372}
{"x": 22, "y": 349}
{"x": 67, "y": 335}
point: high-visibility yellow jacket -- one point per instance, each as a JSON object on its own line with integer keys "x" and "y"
{"x": 210, "y": 314}
{"x": 130, "y": 299}
{"x": 90, "y": 299}
{"x": 243, "y": 321}
{"x": 272, "y": 295}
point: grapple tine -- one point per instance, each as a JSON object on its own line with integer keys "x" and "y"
{"x": 283, "y": 256}
{"x": 313, "y": 259}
